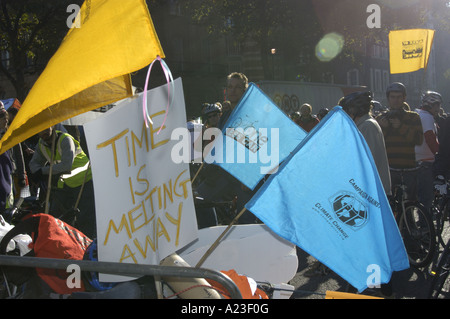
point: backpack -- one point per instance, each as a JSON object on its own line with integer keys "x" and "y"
{"x": 52, "y": 238}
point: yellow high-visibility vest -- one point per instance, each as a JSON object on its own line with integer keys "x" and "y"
{"x": 80, "y": 165}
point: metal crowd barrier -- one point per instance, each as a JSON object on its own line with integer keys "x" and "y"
{"x": 131, "y": 270}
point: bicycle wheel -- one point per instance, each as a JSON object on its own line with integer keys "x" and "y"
{"x": 441, "y": 212}
{"x": 418, "y": 233}
{"x": 440, "y": 285}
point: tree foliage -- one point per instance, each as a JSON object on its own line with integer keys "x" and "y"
{"x": 271, "y": 23}
{"x": 30, "y": 32}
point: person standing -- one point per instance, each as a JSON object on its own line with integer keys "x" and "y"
{"x": 358, "y": 106}
{"x": 6, "y": 167}
{"x": 425, "y": 152}
{"x": 402, "y": 131}
{"x": 237, "y": 84}
{"x": 71, "y": 176}
{"x": 306, "y": 120}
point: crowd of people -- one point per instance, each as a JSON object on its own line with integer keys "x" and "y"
{"x": 399, "y": 137}
{"x": 52, "y": 158}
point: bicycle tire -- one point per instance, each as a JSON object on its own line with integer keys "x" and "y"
{"x": 418, "y": 233}
{"x": 442, "y": 207}
{"x": 440, "y": 284}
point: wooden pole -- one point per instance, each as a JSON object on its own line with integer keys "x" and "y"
{"x": 50, "y": 171}
{"x": 196, "y": 174}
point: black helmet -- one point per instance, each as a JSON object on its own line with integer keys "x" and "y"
{"x": 360, "y": 101}
{"x": 395, "y": 87}
{"x": 430, "y": 97}
{"x": 323, "y": 112}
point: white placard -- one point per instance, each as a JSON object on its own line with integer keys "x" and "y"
{"x": 144, "y": 204}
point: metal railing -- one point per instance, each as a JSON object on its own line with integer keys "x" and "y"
{"x": 132, "y": 270}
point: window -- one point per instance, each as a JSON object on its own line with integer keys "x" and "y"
{"x": 353, "y": 77}
{"x": 385, "y": 79}
{"x": 378, "y": 81}
{"x": 5, "y": 59}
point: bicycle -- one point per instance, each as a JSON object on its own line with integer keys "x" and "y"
{"x": 440, "y": 284}
{"x": 414, "y": 222}
{"x": 440, "y": 212}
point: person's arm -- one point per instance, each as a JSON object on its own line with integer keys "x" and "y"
{"x": 411, "y": 129}
{"x": 431, "y": 140}
{"x": 67, "y": 157}
{"x": 37, "y": 161}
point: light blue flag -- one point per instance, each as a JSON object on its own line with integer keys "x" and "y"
{"x": 256, "y": 138}
{"x": 328, "y": 199}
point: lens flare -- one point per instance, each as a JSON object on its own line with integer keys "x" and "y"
{"x": 329, "y": 47}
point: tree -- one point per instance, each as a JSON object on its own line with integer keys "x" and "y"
{"x": 271, "y": 23}
{"x": 30, "y": 32}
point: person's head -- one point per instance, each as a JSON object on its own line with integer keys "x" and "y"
{"x": 3, "y": 117}
{"x": 396, "y": 95}
{"x": 237, "y": 83}
{"x": 295, "y": 115}
{"x": 322, "y": 113}
{"x": 431, "y": 101}
{"x": 305, "y": 110}
{"x": 46, "y": 135}
{"x": 357, "y": 104}
{"x": 211, "y": 113}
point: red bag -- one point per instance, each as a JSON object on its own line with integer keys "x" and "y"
{"x": 52, "y": 238}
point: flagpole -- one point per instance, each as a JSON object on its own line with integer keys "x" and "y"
{"x": 216, "y": 243}
{"x": 50, "y": 172}
{"x": 198, "y": 171}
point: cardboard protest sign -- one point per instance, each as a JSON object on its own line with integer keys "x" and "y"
{"x": 144, "y": 204}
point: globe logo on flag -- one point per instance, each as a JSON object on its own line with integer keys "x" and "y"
{"x": 349, "y": 210}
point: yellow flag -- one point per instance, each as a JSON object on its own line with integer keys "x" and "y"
{"x": 409, "y": 50}
{"x": 90, "y": 68}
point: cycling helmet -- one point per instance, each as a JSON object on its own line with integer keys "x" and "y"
{"x": 395, "y": 87}
{"x": 431, "y": 97}
{"x": 208, "y": 108}
{"x": 323, "y": 112}
{"x": 360, "y": 102}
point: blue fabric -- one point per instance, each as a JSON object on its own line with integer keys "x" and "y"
{"x": 328, "y": 199}
{"x": 249, "y": 157}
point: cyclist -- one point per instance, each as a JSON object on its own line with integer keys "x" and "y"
{"x": 402, "y": 130}
{"x": 237, "y": 83}
{"x": 211, "y": 114}
{"x": 425, "y": 153}
{"x": 218, "y": 184}
{"x": 441, "y": 165}
{"x": 306, "y": 120}
{"x": 358, "y": 106}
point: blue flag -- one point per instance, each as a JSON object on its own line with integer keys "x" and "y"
{"x": 256, "y": 138}
{"x": 328, "y": 199}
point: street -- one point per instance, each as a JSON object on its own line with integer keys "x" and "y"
{"x": 408, "y": 284}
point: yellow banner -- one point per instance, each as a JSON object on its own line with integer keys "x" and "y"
{"x": 409, "y": 50}
{"x": 90, "y": 68}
